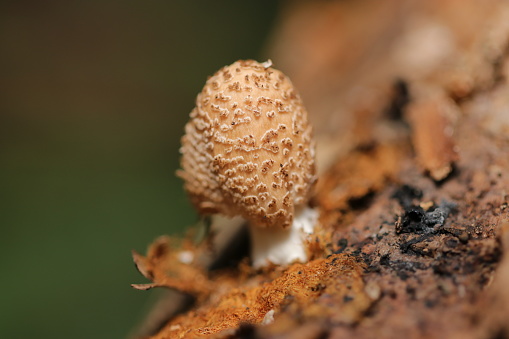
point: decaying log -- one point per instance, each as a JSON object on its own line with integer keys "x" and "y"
{"x": 411, "y": 110}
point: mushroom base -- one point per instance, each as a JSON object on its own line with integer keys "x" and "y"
{"x": 282, "y": 246}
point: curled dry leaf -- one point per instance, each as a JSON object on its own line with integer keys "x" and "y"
{"x": 163, "y": 267}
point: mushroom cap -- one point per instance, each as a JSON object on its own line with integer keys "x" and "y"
{"x": 248, "y": 147}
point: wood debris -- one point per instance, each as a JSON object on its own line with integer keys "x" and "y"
{"x": 433, "y": 135}
{"x": 412, "y": 236}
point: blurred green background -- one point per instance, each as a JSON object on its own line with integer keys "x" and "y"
{"x": 93, "y": 99}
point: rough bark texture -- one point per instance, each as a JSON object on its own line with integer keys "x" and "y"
{"x": 410, "y": 102}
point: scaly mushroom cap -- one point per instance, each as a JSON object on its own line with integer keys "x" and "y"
{"x": 248, "y": 146}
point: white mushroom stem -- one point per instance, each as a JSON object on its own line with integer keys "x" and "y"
{"x": 282, "y": 246}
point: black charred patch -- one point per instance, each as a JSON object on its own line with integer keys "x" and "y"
{"x": 385, "y": 260}
{"x": 416, "y": 220}
{"x": 406, "y": 195}
{"x": 425, "y": 224}
{"x": 403, "y": 269}
{"x": 412, "y": 221}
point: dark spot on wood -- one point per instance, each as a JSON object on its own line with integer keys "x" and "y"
{"x": 452, "y": 242}
{"x": 347, "y": 298}
{"x": 400, "y": 98}
{"x": 429, "y": 303}
{"x": 361, "y": 203}
{"x": 416, "y": 220}
{"x": 342, "y": 244}
{"x": 406, "y": 195}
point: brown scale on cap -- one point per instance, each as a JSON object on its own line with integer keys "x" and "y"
{"x": 248, "y": 147}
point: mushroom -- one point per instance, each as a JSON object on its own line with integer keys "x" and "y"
{"x": 248, "y": 151}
